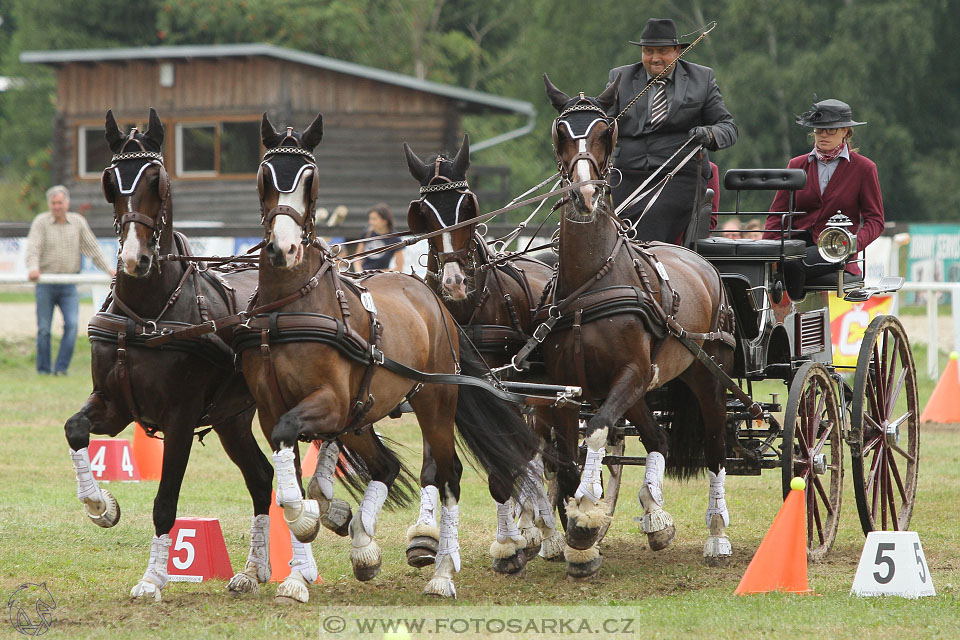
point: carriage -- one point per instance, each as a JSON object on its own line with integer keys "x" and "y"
{"x": 872, "y": 407}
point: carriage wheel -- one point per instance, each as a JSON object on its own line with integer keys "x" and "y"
{"x": 812, "y": 450}
{"x": 884, "y": 408}
{"x": 613, "y": 473}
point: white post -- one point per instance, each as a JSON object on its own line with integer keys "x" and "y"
{"x": 955, "y": 306}
{"x": 933, "y": 341}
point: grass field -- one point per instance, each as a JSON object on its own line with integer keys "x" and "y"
{"x": 44, "y": 536}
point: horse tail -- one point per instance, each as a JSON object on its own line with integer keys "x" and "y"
{"x": 492, "y": 429}
{"x": 687, "y": 433}
{"x": 354, "y": 474}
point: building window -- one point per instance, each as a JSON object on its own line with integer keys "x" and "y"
{"x": 93, "y": 154}
{"x": 207, "y": 149}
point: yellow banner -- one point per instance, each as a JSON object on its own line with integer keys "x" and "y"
{"x": 848, "y": 323}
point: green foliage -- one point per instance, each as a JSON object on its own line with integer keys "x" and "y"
{"x": 886, "y": 58}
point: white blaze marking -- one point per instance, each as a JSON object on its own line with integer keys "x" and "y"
{"x": 451, "y": 268}
{"x": 583, "y": 172}
{"x": 130, "y": 253}
{"x": 286, "y": 233}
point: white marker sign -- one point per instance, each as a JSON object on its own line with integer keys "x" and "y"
{"x": 893, "y": 564}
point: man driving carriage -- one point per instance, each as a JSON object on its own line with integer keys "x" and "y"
{"x": 685, "y": 103}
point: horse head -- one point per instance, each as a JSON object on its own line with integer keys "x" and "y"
{"x": 583, "y": 139}
{"x": 445, "y": 200}
{"x": 288, "y": 183}
{"x": 137, "y": 186}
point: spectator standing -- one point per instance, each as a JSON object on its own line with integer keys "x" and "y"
{"x": 380, "y": 221}
{"x": 54, "y": 244}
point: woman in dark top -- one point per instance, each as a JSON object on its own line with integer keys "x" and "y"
{"x": 380, "y": 221}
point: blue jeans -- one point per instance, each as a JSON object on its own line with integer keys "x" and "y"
{"x": 65, "y": 297}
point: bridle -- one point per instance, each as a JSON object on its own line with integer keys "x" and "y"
{"x": 152, "y": 158}
{"x": 439, "y": 183}
{"x": 567, "y": 169}
{"x": 306, "y": 220}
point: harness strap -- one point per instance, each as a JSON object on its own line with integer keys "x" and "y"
{"x": 578, "y": 355}
{"x": 275, "y": 399}
{"x": 123, "y": 375}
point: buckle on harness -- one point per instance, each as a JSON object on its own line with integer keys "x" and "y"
{"x": 541, "y": 332}
{"x": 377, "y": 355}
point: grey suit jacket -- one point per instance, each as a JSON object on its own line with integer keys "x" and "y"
{"x": 696, "y": 102}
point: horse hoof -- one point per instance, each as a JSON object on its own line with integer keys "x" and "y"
{"x": 145, "y": 591}
{"x": 422, "y": 551}
{"x": 366, "y": 561}
{"x": 440, "y": 587}
{"x": 337, "y": 518}
{"x": 660, "y": 540}
{"x": 109, "y": 516}
{"x": 532, "y": 552}
{"x": 293, "y": 590}
{"x": 306, "y": 525}
{"x": 552, "y": 549}
{"x": 581, "y": 537}
{"x": 363, "y": 574}
{"x": 717, "y": 551}
{"x": 578, "y": 571}
{"x": 242, "y": 583}
{"x": 512, "y": 565}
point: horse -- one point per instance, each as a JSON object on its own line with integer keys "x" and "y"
{"x": 494, "y": 302}
{"x": 627, "y": 321}
{"x": 174, "y": 389}
{"x": 327, "y": 355}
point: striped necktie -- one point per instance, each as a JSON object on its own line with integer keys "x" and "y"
{"x": 658, "y": 113}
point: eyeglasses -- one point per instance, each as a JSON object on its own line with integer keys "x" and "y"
{"x": 829, "y": 132}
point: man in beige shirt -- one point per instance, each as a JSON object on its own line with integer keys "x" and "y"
{"x": 54, "y": 244}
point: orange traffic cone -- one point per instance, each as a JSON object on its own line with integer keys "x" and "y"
{"x": 943, "y": 405}
{"x": 148, "y": 452}
{"x": 780, "y": 563}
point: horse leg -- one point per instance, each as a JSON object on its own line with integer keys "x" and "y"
{"x": 655, "y": 522}
{"x": 335, "y": 513}
{"x": 717, "y": 550}
{"x": 100, "y": 505}
{"x": 423, "y": 536}
{"x": 538, "y": 507}
{"x": 303, "y": 572}
{"x": 365, "y": 554}
{"x": 585, "y": 513}
{"x": 176, "y": 453}
{"x": 242, "y": 449}
{"x": 564, "y": 425}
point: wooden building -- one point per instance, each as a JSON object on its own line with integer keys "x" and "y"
{"x": 211, "y": 99}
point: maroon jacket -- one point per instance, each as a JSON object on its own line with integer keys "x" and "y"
{"x": 854, "y": 190}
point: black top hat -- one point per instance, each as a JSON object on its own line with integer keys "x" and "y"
{"x": 660, "y": 32}
{"x": 828, "y": 114}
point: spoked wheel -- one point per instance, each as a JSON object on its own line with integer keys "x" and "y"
{"x": 885, "y": 428}
{"x": 812, "y": 450}
{"x": 612, "y": 475}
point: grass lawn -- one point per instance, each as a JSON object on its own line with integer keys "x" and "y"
{"x": 44, "y": 536}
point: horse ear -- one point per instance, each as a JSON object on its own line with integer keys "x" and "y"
{"x": 557, "y": 98}
{"x": 313, "y": 134}
{"x": 462, "y": 162}
{"x": 112, "y": 133}
{"x": 268, "y": 135}
{"x": 417, "y": 168}
{"x": 609, "y": 96}
{"x": 154, "y": 130}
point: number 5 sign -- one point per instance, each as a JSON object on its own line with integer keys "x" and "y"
{"x": 893, "y": 564}
{"x": 198, "y": 551}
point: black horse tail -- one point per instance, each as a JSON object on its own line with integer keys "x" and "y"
{"x": 688, "y": 435}
{"x": 493, "y": 430}
{"x": 355, "y": 473}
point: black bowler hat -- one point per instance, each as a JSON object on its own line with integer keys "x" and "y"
{"x": 828, "y": 114}
{"x": 660, "y": 32}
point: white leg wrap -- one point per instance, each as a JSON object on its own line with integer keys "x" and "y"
{"x": 289, "y": 490}
{"x": 372, "y": 504}
{"x": 325, "y": 473}
{"x": 155, "y": 577}
{"x": 448, "y": 556}
{"x": 364, "y": 551}
{"x": 506, "y": 527}
{"x": 590, "y": 484}
{"x": 717, "y": 504}
{"x": 257, "y": 569}
{"x": 88, "y": 491}
{"x": 429, "y": 498}
{"x": 303, "y": 571}
{"x": 653, "y": 476}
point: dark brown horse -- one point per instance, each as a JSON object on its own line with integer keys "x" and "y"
{"x": 618, "y": 307}
{"x": 323, "y": 364}
{"x": 174, "y": 389}
{"x": 494, "y": 303}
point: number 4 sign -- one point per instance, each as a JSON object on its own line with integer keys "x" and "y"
{"x": 893, "y": 564}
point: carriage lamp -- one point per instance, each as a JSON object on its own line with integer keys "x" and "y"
{"x": 836, "y": 243}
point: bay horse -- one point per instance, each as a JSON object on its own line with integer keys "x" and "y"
{"x": 323, "y": 364}
{"x": 626, "y": 320}
{"x": 494, "y": 303}
{"x": 175, "y": 389}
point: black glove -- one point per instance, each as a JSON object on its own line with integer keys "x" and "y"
{"x": 701, "y": 135}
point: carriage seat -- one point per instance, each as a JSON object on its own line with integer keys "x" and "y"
{"x": 764, "y": 179}
{"x": 828, "y": 282}
{"x": 767, "y": 250}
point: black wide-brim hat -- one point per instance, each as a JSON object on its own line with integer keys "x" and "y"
{"x": 828, "y": 114}
{"x": 660, "y": 32}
